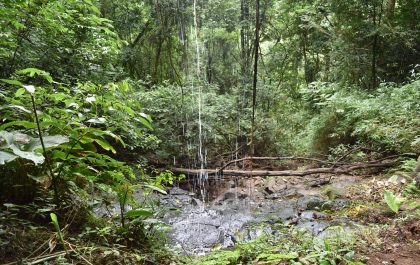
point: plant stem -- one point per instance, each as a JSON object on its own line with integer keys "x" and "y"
{"x": 47, "y": 161}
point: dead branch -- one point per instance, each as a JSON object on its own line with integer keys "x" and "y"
{"x": 278, "y": 158}
{"x": 345, "y": 169}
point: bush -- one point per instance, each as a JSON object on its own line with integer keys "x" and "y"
{"x": 385, "y": 120}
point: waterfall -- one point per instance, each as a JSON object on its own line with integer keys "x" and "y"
{"x": 201, "y": 155}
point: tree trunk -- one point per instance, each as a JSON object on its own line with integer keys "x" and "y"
{"x": 374, "y": 48}
{"x": 254, "y": 83}
{"x": 390, "y": 8}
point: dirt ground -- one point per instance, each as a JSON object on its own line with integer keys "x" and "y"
{"x": 401, "y": 246}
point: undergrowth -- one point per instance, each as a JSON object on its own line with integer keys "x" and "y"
{"x": 292, "y": 246}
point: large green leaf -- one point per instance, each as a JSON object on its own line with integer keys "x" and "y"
{"x": 12, "y": 82}
{"x": 25, "y": 124}
{"x": 16, "y": 107}
{"x": 37, "y": 158}
{"x": 54, "y": 140}
{"x": 6, "y": 157}
{"x": 31, "y": 72}
{"x": 392, "y": 201}
{"x": 25, "y": 146}
{"x": 138, "y": 213}
{"x": 105, "y": 145}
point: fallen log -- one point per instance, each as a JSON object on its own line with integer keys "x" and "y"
{"x": 276, "y": 158}
{"x": 300, "y": 158}
{"x": 345, "y": 169}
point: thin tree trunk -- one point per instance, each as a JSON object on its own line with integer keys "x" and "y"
{"x": 254, "y": 83}
{"x": 374, "y": 47}
{"x": 390, "y": 9}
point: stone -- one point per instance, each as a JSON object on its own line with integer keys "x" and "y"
{"x": 310, "y": 202}
{"x": 315, "y": 227}
{"x": 312, "y": 215}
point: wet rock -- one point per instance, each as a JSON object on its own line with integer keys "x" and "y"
{"x": 178, "y": 191}
{"x": 196, "y": 235}
{"x": 258, "y": 230}
{"x": 310, "y": 202}
{"x": 178, "y": 201}
{"x": 287, "y": 193}
{"x": 315, "y": 227}
{"x": 337, "y": 204}
{"x": 312, "y": 215}
{"x": 287, "y": 213}
{"x": 229, "y": 240}
{"x": 229, "y": 197}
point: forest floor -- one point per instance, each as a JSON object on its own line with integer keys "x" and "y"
{"x": 400, "y": 246}
{"x": 386, "y": 238}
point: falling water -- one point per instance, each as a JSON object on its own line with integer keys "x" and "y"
{"x": 201, "y": 153}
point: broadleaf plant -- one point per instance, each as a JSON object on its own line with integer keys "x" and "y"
{"x": 392, "y": 201}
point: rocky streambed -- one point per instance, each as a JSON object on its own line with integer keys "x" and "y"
{"x": 243, "y": 210}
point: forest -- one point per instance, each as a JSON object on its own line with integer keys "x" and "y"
{"x": 210, "y": 132}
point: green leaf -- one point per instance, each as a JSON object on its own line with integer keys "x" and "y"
{"x": 105, "y": 145}
{"x": 25, "y": 146}
{"x": 413, "y": 205}
{"x": 31, "y": 72}
{"x": 270, "y": 258}
{"x": 54, "y": 140}
{"x": 145, "y": 122}
{"x": 30, "y": 155}
{"x": 324, "y": 262}
{"x": 12, "y": 82}
{"x": 6, "y": 157}
{"x": 16, "y": 107}
{"x": 54, "y": 218}
{"x": 24, "y": 124}
{"x": 159, "y": 188}
{"x": 139, "y": 213}
{"x": 392, "y": 201}
{"x": 20, "y": 92}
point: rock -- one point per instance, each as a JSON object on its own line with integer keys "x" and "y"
{"x": 335, "y": 192}
{"x": 287, "y": 213}
{"x": 178, "y": 191}
{"x": 315, "y": 227}
{"x": 196, "y": 235}
{"x": 258, "y": 231}
{"x": 287, "y": 193}
{"x": 312, "y": 215}
{"x": 336, "y": 232}
{"x": 310, "y": 202}
{"x": 269, "y": 190}
{"x": 178, "y": 201}
{"x": 339, "y": 204}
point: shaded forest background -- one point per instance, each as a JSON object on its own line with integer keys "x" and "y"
{"x": 332, "y": 74}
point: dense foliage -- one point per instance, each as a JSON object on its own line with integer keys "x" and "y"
{"x": 81, "y": 81}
